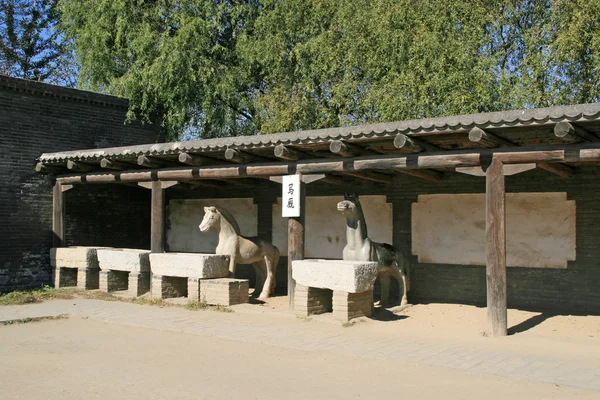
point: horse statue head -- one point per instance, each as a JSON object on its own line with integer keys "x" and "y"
{"x": 350, "y": 205}
{"x": 213, "y": 217}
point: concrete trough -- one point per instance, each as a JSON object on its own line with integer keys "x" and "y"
{"x": 186, "y": 274}
{"x": 344, "y": 276}
{"x": 343, "y": 287}
{"x": 75, "y": 266}
{"x": 125, "y": 269}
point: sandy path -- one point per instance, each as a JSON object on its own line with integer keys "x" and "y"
{"x": 76, "y": 359}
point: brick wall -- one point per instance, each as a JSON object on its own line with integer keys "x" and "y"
{"x": 575, "y": 289}
{"x": 37, "y": 118}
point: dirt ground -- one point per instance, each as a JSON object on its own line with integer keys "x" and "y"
{"x": 468, "y": 322}
{"x": 86, "y": 359}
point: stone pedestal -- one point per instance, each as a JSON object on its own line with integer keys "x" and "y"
{"x": 224, "y": 291}
{"x": 75, "y": 266}
{"x": 125, "y": 269}
{"x": 343, "y": 287}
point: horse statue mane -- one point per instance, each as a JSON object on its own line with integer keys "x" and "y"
{"x": 230, "y": 218}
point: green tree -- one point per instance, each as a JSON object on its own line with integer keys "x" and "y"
{"x": 212, "y": 68}
{"x": 30, "y": 45}
{"x": 176, "y": 61}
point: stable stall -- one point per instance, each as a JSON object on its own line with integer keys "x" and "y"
{"x": 455, "y": 168}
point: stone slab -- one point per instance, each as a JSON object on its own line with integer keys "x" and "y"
{"x": 131, "y": 260}
{"x": 340, "y": 275}
{"x": 83, "y": 257}
{"x": 190, "y": 265}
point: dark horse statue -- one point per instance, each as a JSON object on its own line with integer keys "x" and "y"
{"x": 360, "y": 248}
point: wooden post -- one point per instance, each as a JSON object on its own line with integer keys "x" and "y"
{"x": 495, "y": 201}
{"x": 58, "y": 216}
{"x": 157, "y": 217}
{"x": 296, "y": 243}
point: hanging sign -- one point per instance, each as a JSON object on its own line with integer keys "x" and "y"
{"x": 290, "y": 196}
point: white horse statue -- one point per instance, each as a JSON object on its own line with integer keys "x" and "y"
{"x": 360, "y": 248}
{"x": 263, "y": 256}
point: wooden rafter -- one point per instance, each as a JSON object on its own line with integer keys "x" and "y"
{"x": 567, "y": 130}
{"x": 413, "y": 145}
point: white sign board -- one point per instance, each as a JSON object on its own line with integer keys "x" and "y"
{"x": 290, "y": 194}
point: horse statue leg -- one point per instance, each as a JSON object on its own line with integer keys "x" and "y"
{"x": 259, "y": 268}
{"x": 401, "y": 277}
{"x": 384, "y": 279}
{"x": 270, "y": 281}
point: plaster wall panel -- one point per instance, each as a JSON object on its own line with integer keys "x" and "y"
{"x": 325, "y": 231}
{"x": 450, "y": 229}
{"x": 184, "y": 217}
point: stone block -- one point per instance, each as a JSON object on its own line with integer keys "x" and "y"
{"x": 138, "y": 283}
{"x": 112, "y": 281}
{"x": 338, "y": 275}
{"x": 311, "y": 301}
{"x": 165, "y": 287}
{"x": 131, "y": 260}
{"x": 347, "y": 306}
{"x": 224, "y": 291}
{"x": 190, "y": 265}
{"x": 87, "y": 279}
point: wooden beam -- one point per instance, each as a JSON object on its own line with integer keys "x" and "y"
{"x": 487, "y": 139}
{"x": 371, "y": 176}
{"x": 296, "y": 243}
{"x": 333, "y": 179}
{"x": 495, "y": 201}
{"x": 79, "y": 166}
{"x": 145, "y": 161}
{"x": 157, "y": 219}
{"x": 347, "y": 149}
{"x": 58, "y": 216}
{"x": 113, "y": 164}
{"x": 287, "y": 153}
{"x": 562, "y": 170}
{"x": 572, "y": 153}
{"x": 194, "y": 159}
{"x": 509, "y": 169}
{"x": 427, "y": 174}
{"x": 414, "y": 145}
{"x": 567, "y": 130}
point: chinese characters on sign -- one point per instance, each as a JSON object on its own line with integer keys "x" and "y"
{"x": 290, "y": 196}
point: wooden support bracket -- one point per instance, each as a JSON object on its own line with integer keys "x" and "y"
{"x": 163, "y": 184}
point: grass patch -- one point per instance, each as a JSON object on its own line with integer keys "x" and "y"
{"x": 36, "y": 296}
{"x": 202, "y": 305}
{"x": 48, "y": 293}
{"x": 34, "y": 319}
{"x": 352, "y": 323}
